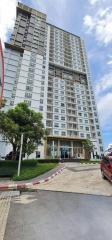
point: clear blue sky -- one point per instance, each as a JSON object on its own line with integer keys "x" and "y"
{"x": 92, "y": 20}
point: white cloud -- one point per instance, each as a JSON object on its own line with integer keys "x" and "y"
{"x": 89, "y": 22}
{"x": 104, "y": 84}
{"x": 109, "y": 62}
{"x": 7, "y": 17}
{"x": 105, "y": 110}
{"x": 100, "y": 24}
{"x": 104, "y": 100}
{"x": 93, "y": 2}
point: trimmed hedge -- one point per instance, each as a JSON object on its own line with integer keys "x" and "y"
{"x": 48, "y": 160}
{"x": 33, "y": 162}
{"x": 9, "y": 168}
{"x": 90, "y": 161}
{"x": 30, "y": 162}
{"x": 8, "y": 163}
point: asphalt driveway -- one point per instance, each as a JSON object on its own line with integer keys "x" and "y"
{"x": 47, "y": 215}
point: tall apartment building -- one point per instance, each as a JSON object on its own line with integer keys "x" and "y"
{"x": 1, "y": 73}
{"x": 47, "y": 67}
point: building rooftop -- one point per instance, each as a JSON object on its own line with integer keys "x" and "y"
{"x": 25, "y": 8}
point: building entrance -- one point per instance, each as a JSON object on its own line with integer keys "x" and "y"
{"x": 65, "y": 152}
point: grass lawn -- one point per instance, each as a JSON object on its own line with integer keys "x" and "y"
{"x": 29, "y": 169}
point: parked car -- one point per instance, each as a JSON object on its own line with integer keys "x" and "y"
{"x": 106, "y": 167}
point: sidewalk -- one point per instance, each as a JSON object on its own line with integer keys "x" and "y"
{"x": 29, "y": 183}
{"x": 5, "y": 198}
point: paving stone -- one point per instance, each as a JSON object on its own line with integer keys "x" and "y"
{"x": 5, "y": 199}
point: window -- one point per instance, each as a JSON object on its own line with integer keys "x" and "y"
{"x": 101, "y": 149}
{"x": 41, "y": 101}
{"x": 56, "y": 133}
{"x": 63, "y": 125}
{"x": 62, "y": 98}
{"x": 80, "y": 120}
{"x": 105, "y": 160}
{"x": 41, "y": 108}
{"x": 42, "y": 95}
{"x": 42, "y": 83}
{"x": 56, "y": 97}
{"x": 62, "y": 104}
{"x": 28, "y": 102}
{"x": 29, "y": 81}
{"x": 56, "y": 117}
{"x": 56, "y": 103}
{"x": 88, "y": 136}
{"x": 28, "y": 95}
{"x": 99, "y": 134}
{"x": 11, "y": 102}
{"x": 56, "y": 110}
{"x": 56, "y": 91}
{"x": 100, "y": 141}
{"x": 29, "y": 88}
{"x": 56, "y": 124}
{"x": 86, "y": 121}
{"x": 63, "y": 118}
{"x": 42, "y": 88}
{"x": 63, "y": 133}
{"x": 37, "y": 154}
{"x": 62, "y": 111}
{"x": 82, "y": 135}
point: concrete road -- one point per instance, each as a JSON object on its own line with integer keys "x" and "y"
{"x": 47, "y": 215}
{"x": 79, "y": 178}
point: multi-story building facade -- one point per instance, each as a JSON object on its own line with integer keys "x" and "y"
{"x": 1, "y": 74}
{"x": 47, "y": 67}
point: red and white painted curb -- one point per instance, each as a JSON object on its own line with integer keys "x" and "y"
{"x": 20, "y": 186}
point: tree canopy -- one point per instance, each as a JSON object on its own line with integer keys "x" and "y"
{"x": 22, "y": 120}
{"x": 89, "y": 147}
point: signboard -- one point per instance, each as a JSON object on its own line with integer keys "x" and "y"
{"x": 1, "y": 73}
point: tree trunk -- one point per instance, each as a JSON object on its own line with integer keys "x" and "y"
{"x": 15, "y": 152}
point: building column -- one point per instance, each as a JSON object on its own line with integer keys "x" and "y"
{"x": 72, "y": 149}
{"x": 83, "y": 152}
{"x": 58, "y": 148}
{"x": 45, "y": 148}
{"x": 53, "y": 148}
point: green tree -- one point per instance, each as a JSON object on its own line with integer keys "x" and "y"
{"x": 20, "y": 120}
{"x": 89, "y": 147}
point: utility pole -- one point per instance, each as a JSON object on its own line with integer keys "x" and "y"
{"x": 20, "y": 155}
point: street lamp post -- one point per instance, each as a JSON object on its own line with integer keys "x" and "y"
{"x": 20, "y": 155}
